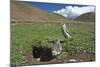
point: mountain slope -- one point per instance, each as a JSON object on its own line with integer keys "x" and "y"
{"x": 23, "y": 12}
{"x": 87, "y": 17}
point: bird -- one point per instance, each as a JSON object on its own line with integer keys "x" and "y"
{"x": 56, "y": 46}
{"x": 65, "y": 31}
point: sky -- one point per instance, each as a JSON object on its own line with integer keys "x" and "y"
{"x": 70, "y": 11}
{"x": 52, "y": 6}
{"x": 82, "y": 2}
{"x": 73, "y": 12}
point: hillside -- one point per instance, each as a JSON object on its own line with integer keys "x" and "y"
{"x": 87, "y": 17}
{"x": 23, "y": 12}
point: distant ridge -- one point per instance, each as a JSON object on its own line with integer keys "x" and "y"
{"x": 23, "y": 12}
{"x": 87, "y": 17}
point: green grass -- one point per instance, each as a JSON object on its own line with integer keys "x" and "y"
{"x": 23, "y": 36}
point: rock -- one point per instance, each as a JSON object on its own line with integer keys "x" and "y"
{"x": 72, "y": 60}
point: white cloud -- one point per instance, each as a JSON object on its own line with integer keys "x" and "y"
{"x": 73, "y": 12}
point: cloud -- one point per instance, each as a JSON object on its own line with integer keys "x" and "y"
{"x": 72, "y": 12}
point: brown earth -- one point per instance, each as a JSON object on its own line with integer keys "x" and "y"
{"x": 78, "y": 57}
{"x": 87, "y": 17}
{"x": 23, "y": 12}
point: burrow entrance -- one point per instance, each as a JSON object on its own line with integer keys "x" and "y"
{"x": 42, "y": 53}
